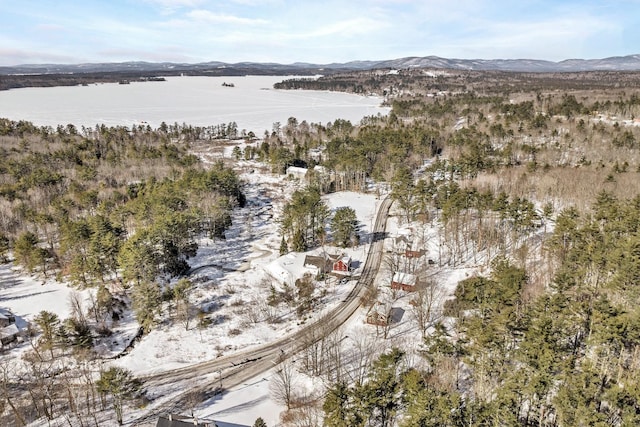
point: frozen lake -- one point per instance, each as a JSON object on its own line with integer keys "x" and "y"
{"x": 253, "y": 104}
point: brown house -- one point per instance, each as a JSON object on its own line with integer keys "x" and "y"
{"x": 379, "y": 314}
{"x": 323, "y": 264}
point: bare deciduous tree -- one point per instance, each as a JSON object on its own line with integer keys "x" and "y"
{"x": 308, "y": 414}
{"x": 426, "y": 305}
{"x": 283, "y": 382}
{"x": 360, "y": 355}
{"x": 76, "y": 305}
{"x": 6, "y": 387}
{"x": 312, "y": 353}
{"x": 332, "y": 359}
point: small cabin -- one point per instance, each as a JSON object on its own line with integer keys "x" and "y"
{"x": 9, "y": 334}
{"x": 379, "y": 314}
{"x": 6, "y": 317}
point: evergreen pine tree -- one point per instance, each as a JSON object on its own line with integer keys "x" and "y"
{"x": 4, "y": 247}
{"x": 121, "y": 385}
{"x": 284, "y": 248}
{"x": 147, "y": 299}
{"x": 259, "y": 422}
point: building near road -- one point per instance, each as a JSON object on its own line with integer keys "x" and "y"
{"x": 408, "y": 246}
{"x": 342, "y": 265}
{"x": 404, "y": 281}
{"x": 379, "y": 314}
{"x": 322, "y": 263}
{"x": 338, "y": 265}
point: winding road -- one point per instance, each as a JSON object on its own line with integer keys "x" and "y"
{"x": 237, "y": 368}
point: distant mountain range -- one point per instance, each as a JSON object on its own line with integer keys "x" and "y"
{"x": 615, "y": 63}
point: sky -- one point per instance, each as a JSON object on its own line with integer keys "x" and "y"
{"x": 314, "y": 31}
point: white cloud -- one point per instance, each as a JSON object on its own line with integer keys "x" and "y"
{"x": 51, "y": 28}
{"x": 347, "y": 28}
{"x": 30, "y": 56}
{"x": 554, "y": 39}
{"x": 174, "y": 4}
{"x": 219, "y": 18}
{"x": 335, "y": 31}
{"x": 165, "y": 53}
{"x": 169, "y": 7}
{"x": 558, "y": 37}
{"x": 257, "y": 2}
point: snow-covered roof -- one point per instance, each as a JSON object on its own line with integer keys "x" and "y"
{"x": 9, "y": 331}
{"x": 277, "y": 269}
{"x": 404, "y": 278}
{"x": 345, "y": 259}
{"x": 296, "y": 171}
{"x": 318, "y": 262}
{"x": 380, "y": 308}
{"x": 320, "y": 169}
{"x": 287, "y": 268}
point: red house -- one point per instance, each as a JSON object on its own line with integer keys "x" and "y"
{"x": 404, "y": 281}
{"x": 342, "y": 264}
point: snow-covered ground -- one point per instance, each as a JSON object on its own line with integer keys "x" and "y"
{"x": 611, "y": 120}
{"x": 26, "y": 295}
{"x": 233, "y": 279}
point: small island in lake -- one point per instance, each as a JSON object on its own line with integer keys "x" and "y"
{"x": 225, "y": 84}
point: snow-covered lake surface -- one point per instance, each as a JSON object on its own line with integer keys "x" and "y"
{"x": 203, "y": 101}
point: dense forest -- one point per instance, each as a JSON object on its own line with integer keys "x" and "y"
{"x": 115, "y": 209}
{"x": 105, "y": 204}
{"x": 548, "y": 336}
{"x": 533, "y": 177}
